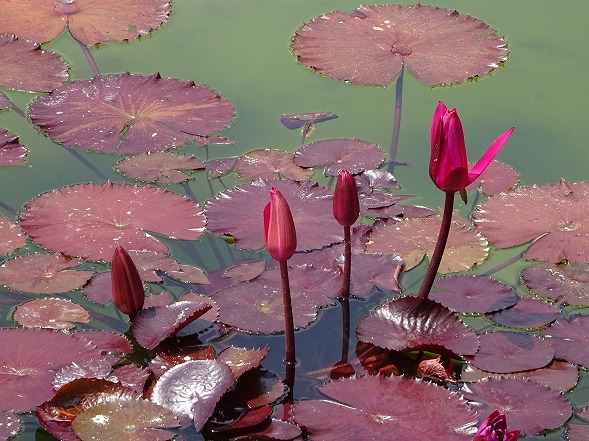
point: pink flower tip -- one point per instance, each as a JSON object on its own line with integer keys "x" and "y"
{"x": 494, "y": 428}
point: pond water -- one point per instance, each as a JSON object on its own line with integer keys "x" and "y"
{"x": 241, "y": 49}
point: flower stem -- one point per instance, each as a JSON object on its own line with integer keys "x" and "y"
{"x": 288, "y": 318}
{"x": 345, "y": 293}
{"x": 396, "y": 120}
{"x": 436, "y": 258}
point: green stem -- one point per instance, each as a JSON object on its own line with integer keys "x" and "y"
{"x": 436, "y": 258}
{"x": 288, "y": 318}
{"x": 345, "y": 293}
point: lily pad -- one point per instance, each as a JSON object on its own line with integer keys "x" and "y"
{"x": 270, "y": 164}
{"x": 567, "y": 337}
{"x": 414, "y": 239}
{"x": 527, "y": 313}
{"x": 50, "y": 313}
{"x": 89, "y": 22}
{"x": 560, "y": 232}
{"x": 372, "y": 44}
{"x": 496, "y": 178}
{"x": 160, "y": 167}
{"x": 128, "y": 113}
{"x": 241, "y": 360}
{"x": 91, "y": 220}
{"x": 11, "y": 152}
{"x": 43, "y": 273}
{"x": 12, "y": 236}
{"x": 25, "y": 66}
{"x": 365, "y": 410}
{"x": 10, "y": 425}
{"x": 567, "y": 284}
{"x": 297, "y": 121}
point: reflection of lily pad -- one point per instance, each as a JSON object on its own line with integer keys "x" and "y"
{"x": 92, "y": 220}
{"x": 130, "y": 113}
{"x": 371, "y": 45}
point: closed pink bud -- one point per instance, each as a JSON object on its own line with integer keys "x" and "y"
{"x": 279, "y": 228}
{"x": 128, "y": 293}
{"x": 346, "y": 205}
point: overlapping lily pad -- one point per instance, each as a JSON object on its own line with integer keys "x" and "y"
{"x": 372, "y": 44}
{"x": 91, "y": 220}
{"x": 12, "y": 153}
{"x": 270, "y": 164}
{"x": 128, "y": 113}
{"x": 496, "y": 178}
{"x": 527, "y": 313}
{"x": 50, "y": 313}
{"x": 568, "y": 284}
{"x": 554, "y": 216}
{"x": 12, "y": 236}
{"x": 161, "y": 167}
{"x": 567, "y": 337}
{"x": 89, "y": 22}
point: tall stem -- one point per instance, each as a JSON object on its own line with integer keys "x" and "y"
{"x": 436, "y": 258}
{"x": 288, "y": 318}
{"x": 397, "y": 120}
{"x": 347, "y": 263}
{"x": 345, "y": 302}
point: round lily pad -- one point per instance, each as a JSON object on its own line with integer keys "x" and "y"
{"x": 567, "y": 284}
{"x": 568, "y": 336}
{"x": 496, "y": 178}
{"x": 50, "y": 313}
{"x": 161, "y": 167}
{"x": 527, "y": 313}
{"x": 270, "y": 164}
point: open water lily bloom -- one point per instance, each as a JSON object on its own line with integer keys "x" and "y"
{"x": 448, "y": 167}
{"x": 494, "y": 428}
{"x": 279, "y": 228}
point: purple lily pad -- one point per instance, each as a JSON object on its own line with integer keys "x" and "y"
{"x": 4, "y": 102}
{"x": 568, "y": 284}
{"x": 191, "y": 390}
{"x": 130, "y": 113}
{"x": 567, "y": 337}
{"x": 364, "y": 410}
{"x": 414, "y": 239}
{"x": 271, "y": 164}
{"x": 11, "y": 152}
{"x": 372, "y": 44}
{"x": 577, "y": 432}
{"x": 311, "y": 206}
{"x": 410, "y": 324}
{"x": 376, "y": 179}
{"x": 105, "y": 341}
{"x": 527, "y": 313}
{"x": 12, "y": 236}
{"x": 297, "y": 121}
{"x": 10, "y": 425}
{"x": 245, "y": 271}
{"x": 354, "y": 155}
{"x": 50, "y": 313}
{"x": 473, "y": 294}
{"x": 26, "y": 67}
{"x": 513, "y": 397}
{"x": 91, "y": 220}
{"x": 99, "y": 288}
{"x": 564, "y": 234}
{"x": 160, "y": 167}
{"x": 496, "y": 178}
{"x": 43, "y": 273}
{"x": 241, "y": 360}
{"x": 218, "y": 167}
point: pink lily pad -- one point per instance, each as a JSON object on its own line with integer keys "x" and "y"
{"x": 92, "y": 368}
{"x": 12, "y": 236}
{"x": 270, "y": 164}
{"x": 50, "y": 313}
{"x": 496, "y": 178}
{"x": 43, "y": 273}
{"x": 160, "y": 167}
{"x": 372, "y": 44}
{"x": 376, "y": 179}
{"x": 473, "y": 294}
{"x": 11, "y": 152}
{"x": 363, "y": 410}
{"x": 371, "y": 271}
{"x": 190, "y": 274}
{"x": 567, "y": 337}
{"x": 130, "y": 113}
{"x": 564, "y": 234}
{"x": 506, "y": 352}
{"x": 410, "y": 324}
{"x": 26, "y": 67}
{"x": 567, "y": 284}
{"x": 105, "y": 341}
{"x": 513, "y": 398}
{"x": 245, "y": 271}
{"x": 4, "y": 102}
{"x": 91, "y": 220}
{"x": 99, "y": 288}
{"x": 218, "y": 167}
{"x": 414, "y": 239}
{"x": 89, "y": 22}
{"x": 311, "y": 206}
{"x": 297, "y": 121}
{"x": 241, "y": 360}
{"x": 354, "y": 155}
{"x": 527, "y": 313}
{"x": 192, "y": 389}
{"x": 10, "y": 425}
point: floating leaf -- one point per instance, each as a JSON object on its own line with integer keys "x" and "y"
{"x": 294, "y": 122}
{"x": 92, "y": 220}
{"x": 9, "y": 425}
{"x": 354, "y": 155}
{"x": 160, "y": 167}
{"x": 50, "y": 313}
{"x": 514, "y": 398}
{"x": 556, "y": 215}
{"x": 527, "y": 313}
{"x": 577, "y": 432}
{"x": 415, "y": 238}
{"x": 99, "y": 289}
{"x": 11, "y": 152}
{"x": 218, "y": 167}
{"x": 190, "y": 274}
{"x": 12, "y": 236}
{"x": 89, "y": 22}
{"x": 409, "y": 323}
{"x": 245, "y": 271}
{"x": 241, "y": 360}
{"x": 130, "y": 113}
{"x": 372, "y": 44}
{"x": 4, "y": 102}
{"x": 496, "y": 178}
{"x": 378, "y": 408}
{"x": 254, "y": 389}
{"x": 473, "y": 294}
{"x": 568, "y": 284}
{"x": 270, "y": 164}
{"x": 43, "y": 273}
{"x": 567, "y": 337}
{"x": 506, "y": 352}
{"x": 375, "y": 271}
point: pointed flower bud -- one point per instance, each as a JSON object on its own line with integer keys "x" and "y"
{"x": 279, "y": 228}
{"x": 448, "y": 166}
{"x": 128, "y": 293}
{"x": 346, "y": 205}
{"x": 494, "y": 428}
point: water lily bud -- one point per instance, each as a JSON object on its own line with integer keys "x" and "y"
{"x": 279, "y": 228}
{"x": 494, "y": 428}
{"x": 128, "y": 293}
{"x": 346, "y": 205}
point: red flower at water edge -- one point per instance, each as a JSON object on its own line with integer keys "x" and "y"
{"x": 494, "y": 428}
{"x": 448, "y": 166}
{"x": 128, "y": 293}
{"x": 346, "y": 205}
{"x": 279, "y": 228}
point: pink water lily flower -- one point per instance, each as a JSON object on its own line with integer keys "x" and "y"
{"x": 279, "y": 228}
{"x": 448, "y": 166}
{"x": 494, "y": 428}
